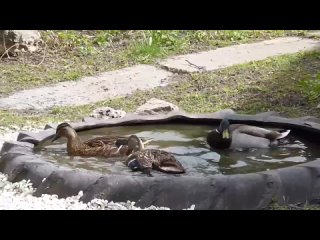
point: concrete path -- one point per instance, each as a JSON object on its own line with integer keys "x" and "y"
{"x": 238, "y": 54}
{"x": 125, "y": 81}
{"x": 89, "y": 89}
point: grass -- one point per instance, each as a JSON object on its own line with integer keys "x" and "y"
{"x": 273, "y": 84}
{"x": 293, "y": 207}
{"x": 70, "y": 55}
{"x": 274, "y": 205}
{"x": 14, "y": 120}
{"x": 311, "y": 87}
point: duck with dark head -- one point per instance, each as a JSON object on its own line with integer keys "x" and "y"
{"x": 107, "y": 146}
{"x": 145, "y": 160}
{"x": 243, "y": 136}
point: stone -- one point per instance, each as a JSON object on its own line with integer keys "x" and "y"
{"x": 107, "y": 112}
{"x": 309, "y": 119}
{"x": 313, "y": 34}
{"x": 156, "y": 106}
{"x": 26, "y": 40}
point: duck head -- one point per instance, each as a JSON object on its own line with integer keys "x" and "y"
{"x": 223, "y": 129}
{"x": 135, "y": 144}
{"x": 64, "y": 130}
{"x": 220, "y": 137}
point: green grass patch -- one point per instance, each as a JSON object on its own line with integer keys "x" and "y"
{"x": 311, "y": 87}
{"x": 274, "y": 205}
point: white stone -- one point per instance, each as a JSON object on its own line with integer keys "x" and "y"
{"x": 107, "y": 112}
{"x": 18, "y": 196}
{"x": 156, "y": 106}
{"x": 27, "y": 40}
{"x": 313, "y": 34}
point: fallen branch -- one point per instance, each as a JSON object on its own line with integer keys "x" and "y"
{"x": 4, "y": 44}
{"x": 44, "y": 55}
{"x": 7, "y": 50}
{"x": 196, "y": 66}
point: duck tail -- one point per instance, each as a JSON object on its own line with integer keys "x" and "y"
{"x": 283, "y": 134}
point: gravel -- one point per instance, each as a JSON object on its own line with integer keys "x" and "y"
{"x": 18, "y": 195}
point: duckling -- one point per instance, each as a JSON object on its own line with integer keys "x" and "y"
{"x": 147, "y": 159}
{"x": 107, "y": 146}
{"x": 243, "y": 136}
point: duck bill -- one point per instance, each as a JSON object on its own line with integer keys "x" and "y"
{"x": 225, "y": 134}
{"x": 141, "y": 144}
{"x": 54, "y": 138}
{"x": 119, "y": 148}
{"x": 146, "y": 142}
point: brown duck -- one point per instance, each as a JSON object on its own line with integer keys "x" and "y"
{"x": 107, "y": 146}
{"x": 147, "y": 159}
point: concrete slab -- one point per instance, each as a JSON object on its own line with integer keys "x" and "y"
{"x": 89, "y": 89}
{"x": 239, "y": 54}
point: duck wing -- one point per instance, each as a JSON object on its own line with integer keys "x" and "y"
{"x": 112, "y": 140}
{"x": 243, "y": 140}
{"x": 97, "y": 148}
{"x": 166, "y": 162}
{"x": 94, "y": 143}
{"x": 140, "y": 160}
{"x": 261, "y": 132}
